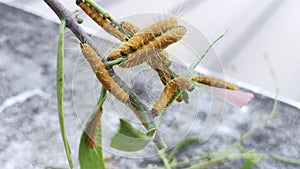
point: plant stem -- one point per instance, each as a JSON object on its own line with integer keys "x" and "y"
{"x": 181, "y": 145}
{"x": 219, "y": 159}
{"x": 162, "y": 156}
{"x": 71, "y": 21}
{"x": 190, "y": 71}
{"x": 283, "y": 159}
{"x": 60, "y": 89}
{"x": 114, "y": 62}
{"x": 102, "y": 97}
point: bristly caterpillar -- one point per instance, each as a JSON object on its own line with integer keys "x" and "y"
{"x": 168, "y": 94}
{"x": 101, "y": 20}
{"x": 92, "y": 129}
{"x": 108, "y": 82}
{"x": 153, "y": 47}
{"x": 102, "y": 73}
{"x": 143, "y": 37}
{"x": 215, "y": 82}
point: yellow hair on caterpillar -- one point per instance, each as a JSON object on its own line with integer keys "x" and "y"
{"x": 143, "y": 37}
{"x": 129, "y": 29}
{"x": 102, "y": 74}
{"x": 168, "y": 93}
{"x": 93, "y": 127}
{"x": 155, "y": 46}
{"x": 160, "y": 60}
{"x": 215, "y": 82}
{"x": 101, "y": 20}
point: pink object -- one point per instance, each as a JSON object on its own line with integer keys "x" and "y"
{"x": 236, "y": 98}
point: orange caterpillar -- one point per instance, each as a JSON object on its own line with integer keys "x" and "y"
{"x": 215, "y": 82}
{"x": 101, "y": 20}
{"x": 105, "y": 78}
{"x": 168, "y": 93}
{"x": 102, "y": 74}
{"x": 93, "y": 128}
{"x": 143, "y": 37}
{"x": 153, "y": 47}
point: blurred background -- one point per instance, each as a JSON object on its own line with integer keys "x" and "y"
{"x": 263, "y": 36}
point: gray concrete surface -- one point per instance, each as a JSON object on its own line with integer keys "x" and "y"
{"x": 29, "y": 129}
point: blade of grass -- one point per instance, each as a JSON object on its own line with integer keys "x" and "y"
{"x": 60, "y": 89}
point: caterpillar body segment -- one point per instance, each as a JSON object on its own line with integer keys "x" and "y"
{"x": 215, "y": 82}
{"x": 169, "y": 92}
{"x": 154, "y": 47}
{"x": 143, "y": 37}
{"x": 102, "y": 20}
{"x": 93, "y": 128}
{"x": 161, "y": 26}
{"x": 103, "y": 74}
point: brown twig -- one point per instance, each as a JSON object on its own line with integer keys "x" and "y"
{"x": 71, "y": 21}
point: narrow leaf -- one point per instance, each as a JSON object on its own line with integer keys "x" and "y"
{"x": 130, "y": 139}
{"x": 60, "y": 89}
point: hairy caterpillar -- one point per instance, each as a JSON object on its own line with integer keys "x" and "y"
{"x": 129, "y": 29}
{"x": 160, "y": 61}
{"x": 93, "y": 128}
{"x": 153, "y": 47}
{"x": 101, "y": 20}
{"x": 168, "y": 93}
{"x": 215, "y": 82}
{"x": 107, "y": 80}
{"x": 165, "y": 78}
{"x": 143, "y": 37}
{"x": 102, "y": 73}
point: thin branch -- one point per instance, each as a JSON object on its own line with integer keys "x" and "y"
{"x": 71, "y": 21}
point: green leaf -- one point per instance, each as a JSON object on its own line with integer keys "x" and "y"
{"x": 60, "y": 89}
{"x": 130, "y": 139}
{"x": 92, "y": 157}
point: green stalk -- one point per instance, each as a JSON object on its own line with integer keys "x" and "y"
{"x": 102, "y": 97}
{"x": 181, "y": 145}
{"x": 164, "y": 159}
{"x": 60, "y": 89}
{"x": 283, "y": 159}
{"x": 190, "y": 71}
{"x": 219, "y": 159}
{"x": 114, "y": 62}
